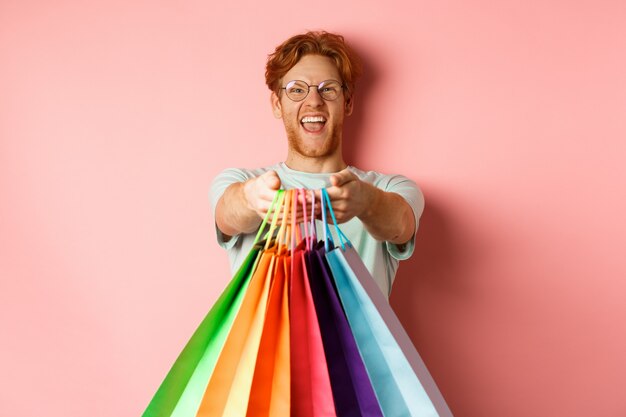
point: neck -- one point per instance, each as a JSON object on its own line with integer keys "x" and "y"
{"x": 331, "y": 163}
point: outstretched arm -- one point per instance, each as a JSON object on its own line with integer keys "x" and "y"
{"x": 386, "y": 215}
{"x": 244, "y": 204}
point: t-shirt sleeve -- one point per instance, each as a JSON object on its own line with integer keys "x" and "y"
{"x": 409, "y": 190}
{"x": 219, "y": 185}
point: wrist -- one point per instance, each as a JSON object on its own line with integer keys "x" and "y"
{"x": 371, "y": 202}
{"x": 245, "y": 191}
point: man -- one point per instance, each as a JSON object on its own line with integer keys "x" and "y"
{"x": 312, "y": 79}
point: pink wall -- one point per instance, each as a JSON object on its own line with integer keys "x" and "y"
{"x": 115, "y": 116}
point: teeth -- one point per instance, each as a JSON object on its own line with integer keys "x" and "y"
{"x": 317, "y": 119}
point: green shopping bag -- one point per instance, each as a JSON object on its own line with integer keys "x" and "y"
{"x": 181, "y": 392}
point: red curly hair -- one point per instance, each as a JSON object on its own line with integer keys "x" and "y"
{"x": 322, "y": 43}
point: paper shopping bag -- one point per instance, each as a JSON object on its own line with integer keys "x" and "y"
{"x": 352, "y": 389}
{"x": 229, "y": 388}
{"x": 310, "y": 383}
{"x": 401, "y": 381}
{"x": 270, "y": 391}
{"x": 181, "y": 391}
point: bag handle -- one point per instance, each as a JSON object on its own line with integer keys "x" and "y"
{"x": 270, "y": 212}
{"x": 296, "y": 235}
{"x": 312, "y": 224}
{"x": 300, "y": 193}
{"x": 297, "y": 194}
{"x": 328, "y": 238}
{"x": 286, "y": 200}
{"x": 282, "y": 234}
{"x": 305, "y": 224}
{"x": 342, "y": 238}
{"x": 280, "y": 196}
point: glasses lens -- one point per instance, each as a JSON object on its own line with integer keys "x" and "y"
{"x": 297, "y": 90}
{"x": 329, "y": 90}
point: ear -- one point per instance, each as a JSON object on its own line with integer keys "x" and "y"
{"x": 349, "y": 105}
{"x": 276, "y": 106}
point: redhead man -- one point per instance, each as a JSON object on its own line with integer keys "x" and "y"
{"x": 312, "y": 80}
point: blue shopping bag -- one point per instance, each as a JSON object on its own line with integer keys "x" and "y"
{"x": 402, "y": 383}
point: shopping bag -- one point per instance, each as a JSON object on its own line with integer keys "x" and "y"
{"x": 229, "y": 388}
{"x": 183, "y": 387}
{"x": 352, "y": 389}
{"x": 401, "y": 381}
{"x": 311, "y": 393}
{"x": 302, "y": 330}
{"x": 270, "y": 390}
{"x": 182, "y": 390}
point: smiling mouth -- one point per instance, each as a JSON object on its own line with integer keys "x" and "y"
{"x": 313, "y": 124}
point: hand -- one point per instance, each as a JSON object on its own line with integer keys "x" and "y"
{"x": 259, "y": 192}
{"x": 349, "y": 196}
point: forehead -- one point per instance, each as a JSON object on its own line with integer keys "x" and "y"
{"x": 313, "y": 69}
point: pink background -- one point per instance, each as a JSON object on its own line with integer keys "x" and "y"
{"x": 115, "y": 116}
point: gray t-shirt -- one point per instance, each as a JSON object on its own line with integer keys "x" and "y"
{"x": 381, "y": 258}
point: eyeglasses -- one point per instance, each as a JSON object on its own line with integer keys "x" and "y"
{"x": 298, "y": 90}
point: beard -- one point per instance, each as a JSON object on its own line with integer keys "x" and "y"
{"x": 328, "y": 147}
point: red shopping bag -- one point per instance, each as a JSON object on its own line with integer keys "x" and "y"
{"x": 311, "y": 394}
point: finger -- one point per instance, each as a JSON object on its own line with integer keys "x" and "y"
{"x": 342, "y": 177}
{"x": 335, "y": 193}
{"x": 271, "y": 179}
{"x": 318, "y": 196}
{"x": 266, "y": 205}
{"x": 304, "y": 199}
{"x": 265, "y": 200}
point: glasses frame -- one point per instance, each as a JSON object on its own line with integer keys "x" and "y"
{"x": 317, "y": 87}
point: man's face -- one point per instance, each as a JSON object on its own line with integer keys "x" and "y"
{"x": 306, "y": 135}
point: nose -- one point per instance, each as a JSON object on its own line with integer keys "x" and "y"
{"x": 314, "y": 98}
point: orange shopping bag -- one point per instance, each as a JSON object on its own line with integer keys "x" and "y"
{"x": 270, "y": 391}
{"x": 231, "y": 385}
